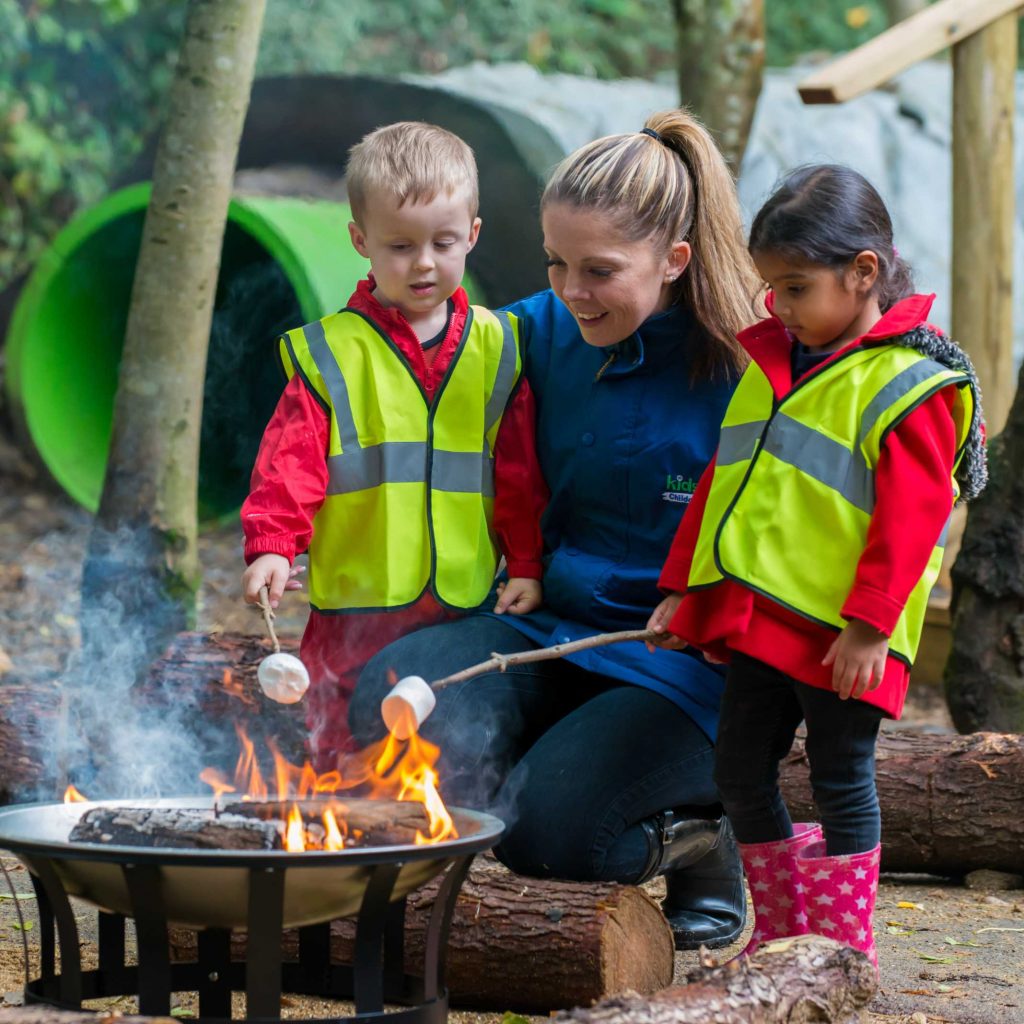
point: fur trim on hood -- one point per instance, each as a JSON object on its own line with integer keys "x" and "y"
{"x": 972, "y": 473}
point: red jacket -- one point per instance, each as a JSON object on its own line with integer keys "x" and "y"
{"x": 289, "y": 483}
{"x": 911, "y": 509}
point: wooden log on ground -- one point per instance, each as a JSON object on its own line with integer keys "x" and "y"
{"x": 216, "y": 672}
{"x": 175, "y": 828}
{"x": 950, "y": 804}
{"x": 809, "y": 978}
{"x": 523, "y": 944}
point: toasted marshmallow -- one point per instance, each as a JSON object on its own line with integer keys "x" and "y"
{"x": 283, "y": 678}
{"x": 407, "y": 706}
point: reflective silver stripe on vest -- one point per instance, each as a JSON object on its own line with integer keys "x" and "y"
{"x": 737, "y": 443}
{"x": 825, "y": 460}
{"x": 392, "y": 462}
{"x": 904, "y": 382}
{"x": 505, "y": 377}
{"x": 405, "y": 462}
{"x": 334, "y": 381}
{"x": 463, "y": 472}
{"x": 944, "y": 536}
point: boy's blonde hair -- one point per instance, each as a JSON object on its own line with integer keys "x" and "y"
{"x": 413, "y": 162}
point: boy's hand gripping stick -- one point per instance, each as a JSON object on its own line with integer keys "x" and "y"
{"x": 282, "y": 677}
{"x": 411, "y": 700}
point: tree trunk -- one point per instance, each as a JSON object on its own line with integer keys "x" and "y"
{"x": 984, "y": 677}
{"x": 950, "y": 804}
{"x": 720, "y": 60}
{"x": 141, "y": 571}
{"x": 809, "y": 978}
{"x": 523, "y": 944}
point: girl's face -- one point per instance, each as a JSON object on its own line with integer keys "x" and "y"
{"x": 610, "y": 284}
{"x": 823, "y": 308}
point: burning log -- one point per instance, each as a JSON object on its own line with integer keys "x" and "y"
{"x": 254, "y": 824}
{"x": 175, "y": 828}
{"x": 950, "y": 804}
{"x": 802, "y": 979}
{"x": 369, "y": 822}
{"x": 524, "y": 944}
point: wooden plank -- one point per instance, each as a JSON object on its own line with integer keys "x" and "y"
{"x": 919, "y": 37}
{"x": 984, "y": 69}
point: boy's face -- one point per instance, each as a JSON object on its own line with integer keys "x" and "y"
{"x": 417, "y": 251}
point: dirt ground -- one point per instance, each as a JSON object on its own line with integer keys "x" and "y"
{"x": 948, "y": 953}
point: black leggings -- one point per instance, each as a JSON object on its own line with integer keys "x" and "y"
{"x": 761, "y": 710}
{"x": 572, "y": 761}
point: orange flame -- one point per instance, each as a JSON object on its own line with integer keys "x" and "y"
{"x": 391, "y": 769}
{"x": 333, "y": 838}
{"x": 72, "y": 796}
{"x": 295, "y": 832}
{"x": 217, "y": 782}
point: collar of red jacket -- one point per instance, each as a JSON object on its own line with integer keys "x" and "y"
{"x": 391, "y": 319}
{"x": 769, "y": 344}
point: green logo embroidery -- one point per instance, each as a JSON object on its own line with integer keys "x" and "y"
{"x": 679, "y": 488}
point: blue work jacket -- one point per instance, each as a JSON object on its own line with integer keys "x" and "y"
{"x": 622, "y": 444}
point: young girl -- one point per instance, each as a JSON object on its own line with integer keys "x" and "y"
{"x": 808, "y": 551}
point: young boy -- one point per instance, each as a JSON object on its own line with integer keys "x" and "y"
{"x": 402, "y": 446}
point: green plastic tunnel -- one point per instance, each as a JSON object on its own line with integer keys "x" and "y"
{"x": 285, "y": 261}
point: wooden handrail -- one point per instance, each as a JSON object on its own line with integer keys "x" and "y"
{"x": 919, "y": 37}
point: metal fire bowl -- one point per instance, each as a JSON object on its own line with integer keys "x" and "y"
{"x": 210, "y": 888}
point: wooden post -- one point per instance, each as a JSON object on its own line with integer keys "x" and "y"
{"x": 984, "y": 67}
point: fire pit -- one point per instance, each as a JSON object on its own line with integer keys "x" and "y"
{"x": 262, "y": 891}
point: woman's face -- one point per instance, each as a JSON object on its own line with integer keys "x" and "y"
{"x": 610, "y": 284}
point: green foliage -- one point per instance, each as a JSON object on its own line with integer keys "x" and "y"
{"x": 794, "y": 28}
{"x": 81, "y": 80}
{"x": 607, "y": 38}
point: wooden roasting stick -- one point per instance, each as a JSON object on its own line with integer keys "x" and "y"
{"x": 268, "y": 617}
{"x": 409, "y": 703}
{"x": 500, "y": 662}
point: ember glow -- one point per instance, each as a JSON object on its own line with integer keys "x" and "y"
{"x": 392, "y": 769}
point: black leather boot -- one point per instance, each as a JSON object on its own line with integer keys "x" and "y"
{"x": 706, "y": 904}
{"x": 676, "y": 842}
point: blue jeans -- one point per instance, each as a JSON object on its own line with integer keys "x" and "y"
{"x": 570, "y": 760}
{"x": 761, "y": 710}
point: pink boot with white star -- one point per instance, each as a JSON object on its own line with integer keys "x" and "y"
{"x": 839, "y": 893}
{"x": 775, "y": 886}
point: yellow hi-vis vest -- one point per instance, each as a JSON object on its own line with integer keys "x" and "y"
{"x": 411, "y": 485}
{"x": 794, "y": 482}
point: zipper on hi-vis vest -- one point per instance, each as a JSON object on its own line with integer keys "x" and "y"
{"x": 433, "y": 407}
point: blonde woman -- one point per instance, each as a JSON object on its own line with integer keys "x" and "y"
{"x": 601, "y": 764}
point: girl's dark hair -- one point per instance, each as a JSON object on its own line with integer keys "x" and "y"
{"x": 825, "y": 214}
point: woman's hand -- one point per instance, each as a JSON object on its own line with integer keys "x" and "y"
{"x": 857, "y": 657}
{"x": 659, "y": 620}
{"x": 519, "y": 596}
{"x": 274, "y": 572}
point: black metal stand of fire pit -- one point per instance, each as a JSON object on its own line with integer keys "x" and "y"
{"x": 375, "y": 977}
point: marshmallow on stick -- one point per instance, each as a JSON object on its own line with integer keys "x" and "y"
{"x": 411, "y": 700}
{"x": 282, "y": 677}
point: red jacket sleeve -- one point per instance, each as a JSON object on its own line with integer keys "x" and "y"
{"x": 520, "y": 493}
{"x": 289, "y": 480}
{"x": 913, "y": 501}
{"x": 676, "y": 571}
